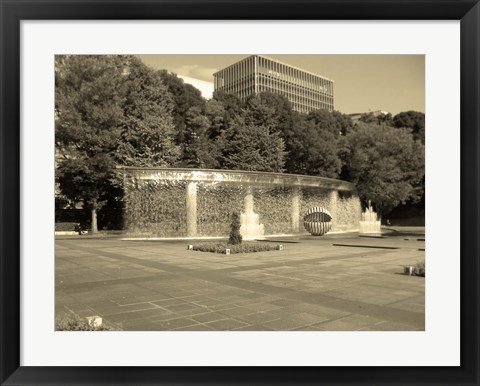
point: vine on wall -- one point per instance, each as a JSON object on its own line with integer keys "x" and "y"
{"x": 310, "y": 198}
{"x": 156, "y": 208}
{"x": 215, "y": 205}
{"x": 274, "y": 209}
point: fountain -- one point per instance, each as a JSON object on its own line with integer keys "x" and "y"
{"x": 250, "y": 227}
{"x": 193, "y": 203}
{"x": 369, "y": 223}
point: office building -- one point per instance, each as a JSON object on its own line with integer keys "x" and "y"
{"x": 256, "y": 74}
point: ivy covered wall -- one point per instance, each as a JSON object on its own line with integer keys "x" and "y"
{"x": 157, "y": 208}
{"x": 274, "y": 209}
{"x": 215, "y": 204}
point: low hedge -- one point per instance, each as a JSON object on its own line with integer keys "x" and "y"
{"x": 67, "y": 227}
{"x": 244, "y": 247}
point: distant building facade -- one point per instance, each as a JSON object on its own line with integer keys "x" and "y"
{"x": 256, "y": 74}
{"x": 378, "y": 113}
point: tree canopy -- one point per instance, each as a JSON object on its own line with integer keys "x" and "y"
{"x": 108, "y": 110}
{"x": 148, "y": 129}
{"x": 247, "y": 146}
{"x": 414, "y": 120}
{"x": 385, "y": 163}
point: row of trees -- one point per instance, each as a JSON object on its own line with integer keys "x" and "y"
{"x": 114, "y": 110}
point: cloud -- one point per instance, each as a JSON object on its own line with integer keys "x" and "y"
{"x": 195, "y": 71}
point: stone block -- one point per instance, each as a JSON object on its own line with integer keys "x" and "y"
{"x": 94, "y": 321}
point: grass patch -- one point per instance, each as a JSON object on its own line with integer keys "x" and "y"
{"x": 244, "y": 247}
{"x": 74, "y": 323}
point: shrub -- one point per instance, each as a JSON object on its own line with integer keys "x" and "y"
{"x": 244, "y": 247}
{"x": 235, "y": 236}
{"x": 419, "y": 269}
{"x": 74, "y": 323}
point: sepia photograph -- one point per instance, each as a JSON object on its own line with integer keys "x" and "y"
{"x": 246, "y": 192}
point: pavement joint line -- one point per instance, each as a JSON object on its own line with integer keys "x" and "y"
{"x": 404, "y": 300}
{"x": 134, "y": 304}
{"x": 213, "y": 276}
{"x": 364, "y": 246}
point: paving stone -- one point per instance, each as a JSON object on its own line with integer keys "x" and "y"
{"x": 209, "y": 317}
{"x": 226, "y": 324}
{"x": 122, "y": 317}
{"x": 143, "y": 325}
{"x": 283, "y": 324}
{"x": 259, "y": 317}
{"x": 389, "y": 326}
{"x": 178, "y": 323}
{"x": 161, "y": 317}
{"x": 349, "y": 323}
{"x": 238, "y": 311}
{"x": 147, "y": 284}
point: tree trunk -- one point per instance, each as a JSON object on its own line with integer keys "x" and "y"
{"x": 93, "y": 227}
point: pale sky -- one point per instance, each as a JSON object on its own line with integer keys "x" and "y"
{"x": 363, "y": 83}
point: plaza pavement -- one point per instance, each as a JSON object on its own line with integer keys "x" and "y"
{"x": 312, "y": 284}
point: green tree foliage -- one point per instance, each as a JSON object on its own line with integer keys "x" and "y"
{"x": 377, "y": 118}
{"x": 107, "y": 110}
{"x": 235, "y": 236}
{"x": 198, "y": 149}
{"x": 197, "y": 123}
{"x": 414, "y": 120}
{"x": 185, "y": 96}
{"x": 232, "y": 105}
{"x": 312, "y": 143}
{"x": 386, "y": 164}
{"x": 343, "y": 122}
{"x": 310, "y": 140}
{"x": 324, "y": 120}
{"x": 368, "y": 118}
{"x": 87, "y": 180}
{"x": 217, "y": 116}
{"x": 89, "y": 99}
{"x": 271, "y": 110}
{"x": 246, "y": 146}
{"x": 252, "y": 137}
{"x": 148, "y": 132}
{"x": 385, "y": 119}
{"x": 313, "y": 151}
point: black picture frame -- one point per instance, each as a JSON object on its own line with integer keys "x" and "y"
{"x": 13, "y": 12}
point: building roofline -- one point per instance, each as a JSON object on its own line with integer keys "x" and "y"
{"x": 277, "y": 61}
